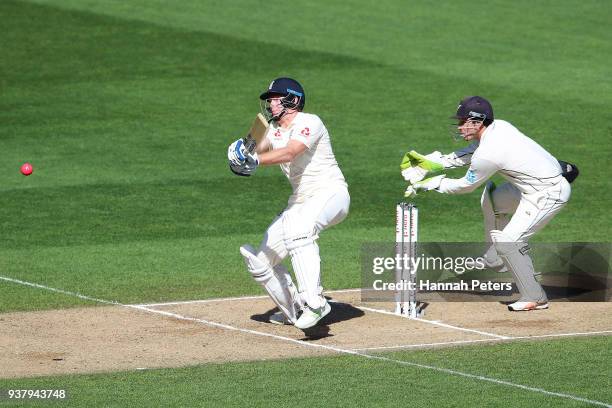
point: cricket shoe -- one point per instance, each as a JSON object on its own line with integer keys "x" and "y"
{"x": 279, "y": 318}
{"x": 311, "y": 317}
{"x": 526, "y": 306}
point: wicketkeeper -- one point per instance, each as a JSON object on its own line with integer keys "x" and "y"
{"x": 538, "y": 188}
{"x": 300, "y": 144}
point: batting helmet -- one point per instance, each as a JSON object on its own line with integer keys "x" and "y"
{"x": 475, "y": 108}
{"x": 289, "y": 89}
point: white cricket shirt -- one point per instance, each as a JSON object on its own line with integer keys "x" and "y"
{"x": 316, "y": 168}
{"x": 504, "y": 149}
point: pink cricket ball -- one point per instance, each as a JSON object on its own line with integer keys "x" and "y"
{"x": 26, "y": 169}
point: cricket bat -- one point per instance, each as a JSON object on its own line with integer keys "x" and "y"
{"x": 257, "y": 133}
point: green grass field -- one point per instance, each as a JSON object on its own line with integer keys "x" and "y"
{"x": 126, "y": 108}
{"x": 356, "y": 381}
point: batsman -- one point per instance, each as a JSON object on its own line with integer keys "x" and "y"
{"x": 300, "y": 144}
{"x": 537, "y": 188}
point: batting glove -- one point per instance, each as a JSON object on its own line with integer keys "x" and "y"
{"x": 428, "y": 184}
{"x": 236, "y": 153}
{"x": 247, "y": 167}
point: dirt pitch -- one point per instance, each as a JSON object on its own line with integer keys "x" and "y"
{"x": 112, "y": 338}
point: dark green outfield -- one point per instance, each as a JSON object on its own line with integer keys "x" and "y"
{"x": 125, "y": 109}
{"x": 350, "y": 381}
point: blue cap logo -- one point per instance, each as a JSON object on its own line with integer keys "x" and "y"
{"x": 291, "y": 91}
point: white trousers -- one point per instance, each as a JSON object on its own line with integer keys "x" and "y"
{"x": 305, "y": 220}
{"x": 530, "y": 212}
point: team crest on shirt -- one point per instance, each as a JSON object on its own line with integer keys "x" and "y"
{"x": 470, "y": 176}
{"x": 305, "y": 132}
{"x": 277, "y": 133}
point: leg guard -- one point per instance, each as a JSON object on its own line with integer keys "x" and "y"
{"x": 515, "y": 257}
{"x": 284, "y": 277}
{"x": 279, "y": 287}
{"x": 492, "y": 221}
{"x": 304, "y": 252}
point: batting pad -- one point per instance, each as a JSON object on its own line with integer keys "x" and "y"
{"x": 279, "y": 290}
{"x": 304, "y": 252}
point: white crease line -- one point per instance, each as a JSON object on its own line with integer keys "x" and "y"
{"x": 563, "y": 334}
{"x": 228, "y": 327}
{"x": 420, "y": 345}
{"x": 434, "y": 322}
{"x": 230, "y": 299}
{"x": 539, "y": 336}
{"x": 188, "y": 302}
{"x": 63, "y": 292}
{"x": 343, "y": 290}
{"x": 320, "y": 346}
{"x": 492, "y": 380}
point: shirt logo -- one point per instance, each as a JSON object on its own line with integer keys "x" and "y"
{"x": 305, "y": 132}
{"x": 277, "y": 133}
{"x": 470, "y": 176}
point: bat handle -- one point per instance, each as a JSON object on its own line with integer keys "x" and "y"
{"x": 249, "y": 143}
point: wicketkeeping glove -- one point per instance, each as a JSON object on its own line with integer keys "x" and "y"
{"x": 428, "y": 184}
{"x": 416, "y": 166}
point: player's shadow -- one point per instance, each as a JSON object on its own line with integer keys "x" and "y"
{"x": 339, "y": 312}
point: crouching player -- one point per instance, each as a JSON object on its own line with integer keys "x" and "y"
{"x": 537, "y": 188}
{"x": 299, "y": 143}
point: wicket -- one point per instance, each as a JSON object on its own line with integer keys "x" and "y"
{"x": 406, "y": 236}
